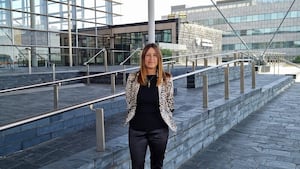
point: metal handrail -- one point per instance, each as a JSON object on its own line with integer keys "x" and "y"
{"x": 102, "y": 50}
{"x": 105, "y": 60}
{"x": 136, "y": 50}
{"x": 209, "y": 68}
{"x": 52, "y": 113}
{"x": 14, "y": 124}
{"x": 72, "y": 79}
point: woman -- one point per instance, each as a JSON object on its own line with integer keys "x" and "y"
{"x": 150, "y": 100}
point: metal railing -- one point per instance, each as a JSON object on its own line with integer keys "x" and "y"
{"x": 123, "y": 63}
{"x": 92, "y": 58}
{"x": 100, "y": 138}
{"x": 132, "y": 54}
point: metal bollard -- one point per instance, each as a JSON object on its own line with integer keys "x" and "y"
{"x": 100, "y": 132}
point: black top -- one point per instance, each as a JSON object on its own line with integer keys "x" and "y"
{"x": 147, "y": 116}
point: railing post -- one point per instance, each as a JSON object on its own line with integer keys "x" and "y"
{"x": 29, "y": 60}
{"x": 113, "y": 83}
{"x": 205, "y": 62}
{"x": 205, "y": 91}
{"x": 100, "y": 132}
{"x": 193, "y": 66}
{"x": 55, "y": 96}
{"x": 105, "y": 60}
{"x": 186, "y": 61}
{"x": 226, "y": 82}
{"x": 235, "y": 56}
{"x": 124, "y": 75}
{"x": 278, "y": 64}
{"x": 53, "y": 72}
{"x": 88, "y": 73}
{"x": 253, "y": 75}
{"x": 242, "y": 83}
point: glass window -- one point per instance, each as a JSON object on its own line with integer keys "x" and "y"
{"x": 261, "y": 17}
{"x": 293, "y": 14}
{"x": 21, "y": 5}
{"x": 274, "y": 16}
{"x": 5, "y": 17}
{"x": 267, "y": 17}
{"x": 297, "y": 44}
{"x": 54, "y": 39}
{"x": 21, "y": 19}
{"x": 5, "y": 36}
{"x": 255, "y": 17}
{"x": 249, "y": 18}
{"x": 38, "y": 38}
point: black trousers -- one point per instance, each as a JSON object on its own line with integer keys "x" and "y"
{"x": 140, "y": 140}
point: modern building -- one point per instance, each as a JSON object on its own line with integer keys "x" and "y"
{"x": 172, "y": 34}
{"x": 49, "y": 31}
{"x": 255, "y": 23}
{"x": 35, "y": 27}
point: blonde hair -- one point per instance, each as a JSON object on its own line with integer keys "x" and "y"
{"x": 161, "y": 74}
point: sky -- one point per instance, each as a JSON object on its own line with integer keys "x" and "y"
{"x": 137, "y": 10}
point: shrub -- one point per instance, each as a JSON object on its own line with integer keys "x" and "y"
{"x": 297, "y": 59}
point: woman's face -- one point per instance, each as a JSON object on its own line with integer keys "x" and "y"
{"x": 151, "y": 59}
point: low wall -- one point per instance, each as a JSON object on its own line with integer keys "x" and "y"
{"x": 196, "y": 130}
{"x": 28, "y": 135}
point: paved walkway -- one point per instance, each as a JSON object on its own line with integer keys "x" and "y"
{"x": 267, "y": 139}
{"x": 57, "y": 149}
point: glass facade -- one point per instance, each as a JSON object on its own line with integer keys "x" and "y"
{"x": 126, "y": 42}
{"x": 255, "y": 21}
{"x": 42, "y": 27}
{"x": 249, "y": 18}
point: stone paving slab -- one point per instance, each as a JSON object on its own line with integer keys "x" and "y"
{"x": 267, "y": 139}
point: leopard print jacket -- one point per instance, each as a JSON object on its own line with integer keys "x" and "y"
{"x": 166, "y": 99}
